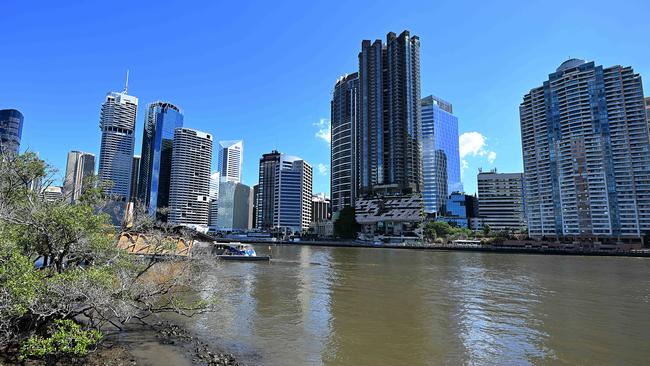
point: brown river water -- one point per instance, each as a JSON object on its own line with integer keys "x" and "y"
{"x": 357, "y": 306}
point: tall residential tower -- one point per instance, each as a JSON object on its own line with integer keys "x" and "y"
{"x": 389, "y": 132}
{"x": 189, "y": 194}
{"x": 586, "y": 153}
{"x": 344, "y": 119}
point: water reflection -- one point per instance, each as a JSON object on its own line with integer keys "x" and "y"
{"x": 313, "y": 306}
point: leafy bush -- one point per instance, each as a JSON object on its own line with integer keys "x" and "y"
{"x": 65, "y": 338}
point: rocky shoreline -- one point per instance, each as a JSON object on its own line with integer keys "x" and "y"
{"x": 120, "y": 350}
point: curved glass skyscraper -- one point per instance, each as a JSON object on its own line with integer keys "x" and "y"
{"x": 156, "y": 159}
{"x": 11, "y": 130}
{"x": 345, "y": 116}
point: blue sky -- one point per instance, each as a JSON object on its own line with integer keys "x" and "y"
{"x": 264, "y": 71}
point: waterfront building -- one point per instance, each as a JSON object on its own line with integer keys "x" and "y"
{"x": 320, "y": 207}
{"x": 135, "y": 178}
{"x": 460, "y": 208}
{"x": 231, "y": 159}
{"x": 189, "y": 194}
{"x": 161, "y": 120}
{"x": 389, "y": 130}
{"x": 501, "y": 200}
{"x": 214, "y": 200}
{"x": 235, "y": 203}
{"x": 344, "y": 120}
{"x": 397, "y": 216}
{"x": 256, "y": 191}
{"x": 586, "y": 153}
{"x": 80, "y": 166}
{"x": 440, "y": 154}
{"x": 11, "y": 131}
{"x": 265, "y": 200}
{"x": 292, "y": 196}
{"x": 117, "y": 123}
{"x": 647, "y": 110}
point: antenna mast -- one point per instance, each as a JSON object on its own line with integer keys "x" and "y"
{"x": 126, "y": 85}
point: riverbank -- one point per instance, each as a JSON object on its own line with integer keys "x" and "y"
{"x": 431, "y": 247}
{"x": 161, "y": 344}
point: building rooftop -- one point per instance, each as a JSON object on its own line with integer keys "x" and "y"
{"x": 570, "y": 63}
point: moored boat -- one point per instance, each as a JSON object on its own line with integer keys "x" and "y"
{"x": 239, "y": 252}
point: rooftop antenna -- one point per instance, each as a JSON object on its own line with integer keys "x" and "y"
{"x": 126, "y": 85}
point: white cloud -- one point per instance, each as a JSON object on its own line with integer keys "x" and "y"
{"x": 471, "y": 145}
{"x": 324, "y": 130}
{"x": 322, "y": 168}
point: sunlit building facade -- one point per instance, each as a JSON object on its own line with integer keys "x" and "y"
{"x": 231, "y": 160}
{"x": 440, "y": 154}
{"x": 117, "y": 123}
{"x": 344, "y": 119}
{"x": 586, "y": 153}
{"x": 189, "y": 194}
{"x": 79, "y": 168}
{"x": 161, "y": 121}
{"x": 11, "y": 130}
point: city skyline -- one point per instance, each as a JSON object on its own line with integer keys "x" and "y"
{"x": 476, "y": 69}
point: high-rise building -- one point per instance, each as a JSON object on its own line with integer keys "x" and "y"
{"x": 440, "y": 154}
{"x": 11, "y": 130}
{"x": 389, "y": 131}
{"x": 586, "y": 153}
{"x": 80, "y": 166}
{"x": 117, "y": 123}
{"x": 231, "y": 158}
{"x": 214, "y": 200}
{"x": 135, "y": 178}
{"x": 501, "y": 200}
{"x": 293, "y": 191}
{"x": 265, "y": 200}
{"x": 256, "y": 191}
{"x": 189, "y": 194}
{"x": 647, "y": 110}
{"x": 344, "y": 119}
{"x": 235, "y": 206}
{"x": 161, "y": 121}
{"x": 320, "y": 207}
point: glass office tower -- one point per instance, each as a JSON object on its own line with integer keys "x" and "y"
{"x": 156, "y": 158}
{"x": 80, "y": 166}
{"x": 440, "y": 154}
{"x": 231, "y": 159}
{"x": 11, "y": 130}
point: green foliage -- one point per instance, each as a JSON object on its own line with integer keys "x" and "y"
{"x": 20, "y": 282}
{"x": 65, "y": 337}
{"x": 486, "y": 230}
{"x": 441, "y": 229}
{"x": 346, "y": 225}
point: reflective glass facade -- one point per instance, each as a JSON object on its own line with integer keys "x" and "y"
{"x": 11, "y": 130}
{"x": 155, "y": 165}
{"x": 440, "y": 154}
